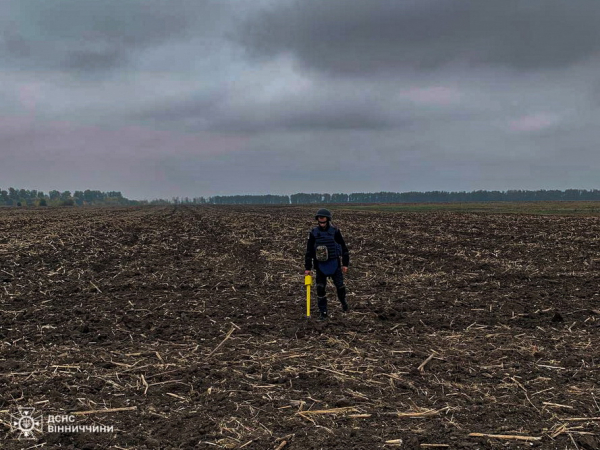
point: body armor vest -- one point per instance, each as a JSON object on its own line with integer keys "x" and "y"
{"x": 325, "y": 239}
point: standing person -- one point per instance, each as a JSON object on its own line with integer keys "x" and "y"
{"x": 324, "y": 250}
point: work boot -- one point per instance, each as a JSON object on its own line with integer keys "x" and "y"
{"x": 322, "y": 303}
{"x": 341, "y": 293}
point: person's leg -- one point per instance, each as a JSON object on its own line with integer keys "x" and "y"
{"x": 321, "y": 293}
{"x": 338, "y": 280}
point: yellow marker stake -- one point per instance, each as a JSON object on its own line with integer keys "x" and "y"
{"x": 307, "y": 283}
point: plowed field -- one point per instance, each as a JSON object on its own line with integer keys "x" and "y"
{"x": 184, "y": 327}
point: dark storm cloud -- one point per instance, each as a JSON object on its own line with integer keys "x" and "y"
{"x": 382, "y": 35}
{"x": 332, "y": 120}
{"x": 292, "y": 115}
{"x": 163, "y": 98}
{"x": 89, "y": 35}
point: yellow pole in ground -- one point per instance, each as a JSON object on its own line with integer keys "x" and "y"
{"x": 307, "y": 283}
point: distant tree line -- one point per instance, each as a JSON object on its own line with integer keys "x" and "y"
{"x": 447, "y": 196}
{"x": 249, "y": 200}
{"x": 409, "y": 197}
{"x": 26, "y": 197}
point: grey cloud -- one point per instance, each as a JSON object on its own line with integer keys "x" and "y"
{"x": 94, "y": 60}
{"x": 319, "y": 116}
{"x": 381, "y": 35}
{"x": 317, "y": 110}
{"x": 160, "y": 98}
{"x": 197, "y": 107}
{"x": 89, "y": 35}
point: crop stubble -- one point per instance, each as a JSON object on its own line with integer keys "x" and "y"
{"x": 183, "y": 327}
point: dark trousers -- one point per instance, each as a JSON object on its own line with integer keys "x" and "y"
{"x": 338, "y": 281}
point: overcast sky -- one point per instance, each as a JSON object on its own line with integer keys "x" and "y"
{"x": 163, "y": 98}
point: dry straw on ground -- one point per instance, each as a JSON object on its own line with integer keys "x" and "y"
{"x": 183, "y": 327}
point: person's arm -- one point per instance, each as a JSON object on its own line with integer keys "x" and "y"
{"x": 345, "y": 253}
{"x": 310, "y": 249}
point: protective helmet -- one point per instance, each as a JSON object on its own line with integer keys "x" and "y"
{"x": 323, "y": 212}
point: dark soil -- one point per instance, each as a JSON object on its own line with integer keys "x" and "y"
{"x": 184, "y": 327}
